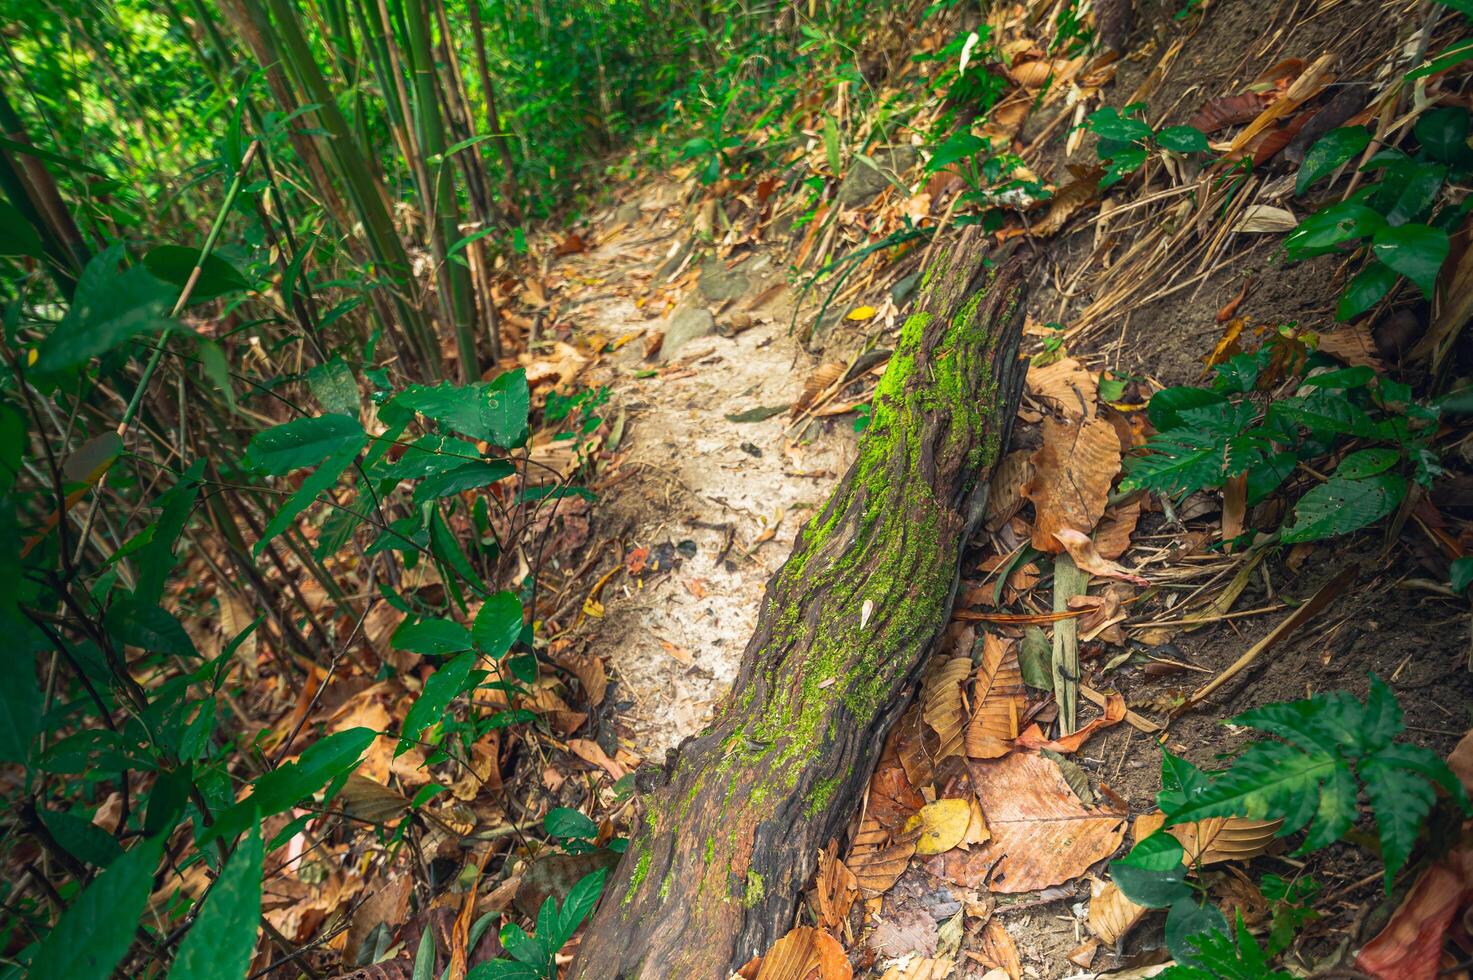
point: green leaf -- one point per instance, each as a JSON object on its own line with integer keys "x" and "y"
{"x": 494, "y": 412}
{"x": 283, "y": 787}
{"x": 443, "y": 686}
{"x": 580, "y": 902}
{"x": 1370, "y": 284}
{"x": 142, "y": 624}
{"x": 20, "y": 705}
{"x": 1330, "y": 151}
{"x": 498, "y": 624}
{"x": 80, "y": 837}
{"x": 1187, "y": 921}
{"x": 1183, "y": 139}
{"x": 1272, "y": 780}
{"x": 1180, "y": 781}
{"x": 174, "y": 264}
{"x": 428, "y": 455}
{"x": 1330, "y": 227}
{"x": 322, "y": 479}
{"x": 217, "y": 369}
{"x": 1455, "y": 55}
{"x": 510, "y": 400}
{"x": 108, "y": 308}
{"x": 1153, "y": 874}
{"x": 17, "y": 237}
{"x": 1109, "y": 124}
{"x": 468, "y": 476}
{"x": 424, "y": 957}
{"x": 95, "y": 932}
{"x": 1401, "y": 799}
{"x": 1340, "y": 506}
{"x": 1367, "y": 462}
{"x": 222, "y": 940}
{"x": 1460, "y": 574}
{"x": 334, "y": 387}
{"x": 563, "y": 821}
{"x": 1166, "y": 405}
{"x": 1443, "y": 133}
{"x": 304, "y": 442}
{"x": 431, "y": 637}
{"x": 960, "y": 145}
{"x": 1415, "y": 251}
{"x": 1408, "y": 190}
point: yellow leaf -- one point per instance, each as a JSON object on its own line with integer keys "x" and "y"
{"x": 861, "y": 313}
{"x": 943, "y": 824}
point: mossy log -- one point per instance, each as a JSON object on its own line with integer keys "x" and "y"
{"x": 713, "y": 874}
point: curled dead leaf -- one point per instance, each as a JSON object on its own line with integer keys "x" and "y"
{"x": 1082, "y": 550}
{"x": 999, "y": 700}
{"x": 1111, "y": 914}
{"x": 876, "y": 859}
{"x": 806, "y": 953}
{"x": 941, "y": 700}
{"x": 1073, "y": 470}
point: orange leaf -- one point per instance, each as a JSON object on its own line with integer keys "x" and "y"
{"x": 806, "y": 953}
{"x": 1073, "y": 470}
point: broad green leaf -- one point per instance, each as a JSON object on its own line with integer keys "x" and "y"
{"x": 428, "y": 455}
{"x": 174, "y": 264}
{"x": 334, "y": 387}
{"x": 96, "y": 930}
{"x": 1109, "y": 124}
{"x": 431, "y": 637}
{"x": 1460, "y": 573}
{"x": 80, "y": 837}
{"x": 109, "y": 308}
{"x": 1153, "y": 874}
{"x": 304, "y": 442}
{"x": 1272, "y": 780}
{"x": 1357, "y": 376}
{"x": 1183, "y": 139}
{"x": 1408, "y": 189}
{"x": 443, "y": 686}
{"x": 498, "y": 624}
{"x": 1401, "y": 800}
{"x": 1330, "y": 151}
{"x": 1368, "y": 287}
{"x": 148, "y": 627}
{"x": 504, "y": 970}
{"x": 322, "y": 479}
{"x": 283, "y": 787}
{"x": 1187, "y": 921}
{"x": 1166, "y": 405}
{"x": 222, "y": 940}
{"x": 1342, "y": 505}
{"x": 1443, "y": 133}
{"x": 1415, "y": 251}
{"x": 1331, "y": 227}
{"x": 563, "y": 821}
{"x": 576, "y": 907}
{"x": 495, "y": 412}
{"x": 156, "y": 557}
{"x": 467, "y": 476}
{"x": 1180, "y": 781}
{"x": 424, "y": 957}
{"x": 217, "y": 369}
{"x": 17, "y": 237}
{"x": 960, "y": 145}
{"x": 1367, "y": 462}
{"x": 510, "y": 401}
{"x": 20, "y": 704}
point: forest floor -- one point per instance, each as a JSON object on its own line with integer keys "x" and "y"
{"x": 712, "y": 475}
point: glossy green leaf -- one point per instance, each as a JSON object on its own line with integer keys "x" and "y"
{"x": 1367, "y": 462}
{"x": 468, "y": 476}
{"x": 1367, "y": 289}
{"x": 1331, "y": 227}
{"x": 222, "y": 940}
{"x": 498, "y": 624}
{"x": 1415, "y": 251}
{"x": 1334, "y": 149}
{"x": 283, "y": 787}
{"x": 1443, "y": 133}
{"x": 20, "y": 705}
{"x": 1183, "y": 139}
{"x": 174, "y": 264}
{"x": 80, "y": 837}
{"x": 431, "y": 637}
{"x": 109, "y": 308}
{"x": 1152, "y": 874}
{"x": 443, "y": 686}
{"x": 322, "y": 479}
{"x": 562, "y": 821}
{"x": 1342, "y": 505}
{"x": 304, "y": 442}
{"x": 96, "y": 930}
{"x": 17, "y": 237}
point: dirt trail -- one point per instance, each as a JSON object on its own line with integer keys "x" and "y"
{"x": 716, "y": 502}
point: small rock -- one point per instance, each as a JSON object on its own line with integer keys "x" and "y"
{"x": 719, "y": 283}
{"x": 863, "y": 181}
{"x": 684, "y": 327}
{"x": 751, "y": 450}
{"x": 627, "y": 214}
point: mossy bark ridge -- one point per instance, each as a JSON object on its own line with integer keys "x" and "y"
{"x": 714, "y": 871}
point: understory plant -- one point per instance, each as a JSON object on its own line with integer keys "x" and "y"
{"x": 1326, "y": 752}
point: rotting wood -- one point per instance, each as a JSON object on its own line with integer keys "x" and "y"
{"x": 714, "y": 870}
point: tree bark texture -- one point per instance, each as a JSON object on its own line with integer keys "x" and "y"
{"x": 714, "y": 872}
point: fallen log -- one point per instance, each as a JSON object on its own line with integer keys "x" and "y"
{"x": 713, "y": 874}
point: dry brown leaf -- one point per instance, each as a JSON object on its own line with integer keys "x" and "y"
{"x": 591, "y": 752}
{"x": 921, "y": 969}
{"x": 1352, "y": 344}
{"x": 876, "y": 859}
{"x": 1005, "y": 492}
{"x": 1227, "y": 110}
{"x": 996, "y": 949}
{"x": 1111, "y": 914}
{"x": 977, "y": 832}
{"x": 892, "y": 798}
{"x": 818, "y": 382}
{"x": 1112, "y": 534}
{"x": 1073, "y": 470}
{"x": 1227, "y": 345}
{"x": 941, "y": 701}
{"x": 588, "y": 668}
{"x": 806, "y": 953}
{"x": 1042, "y": 835}
{"x": 1067, "y": 386}
{"x": 1114, "y": 714}
{"x": 834, "y": 889}
{"x": 571, "y": 245}
{"x": 1410, "y": 946}
{"x": 999, "y": 699}
{"x": 1079, "y": 192}
{"x": 911, "y": 749}
{"x": 1082, "y": 550}
{"x": 941, "y": 825}
{"x": 1215, "y": 839}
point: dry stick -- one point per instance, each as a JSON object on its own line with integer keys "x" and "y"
{"x": 1329, "y": 591}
